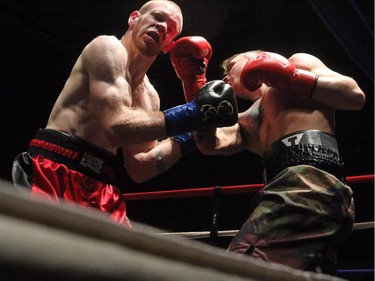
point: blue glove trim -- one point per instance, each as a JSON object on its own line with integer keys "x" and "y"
{"x": 187, "y": 142}
{"x": 183, "y": 118}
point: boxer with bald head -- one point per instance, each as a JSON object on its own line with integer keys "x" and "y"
{"x": 107, "y": 118}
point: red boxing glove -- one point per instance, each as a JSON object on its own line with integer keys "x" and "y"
{"x": 278, "y": 72}
{"x": 190, "y": 56}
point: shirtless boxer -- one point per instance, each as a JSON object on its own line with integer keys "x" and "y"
{"x": 107, "y": 118}
{"x": 305, "y": 211}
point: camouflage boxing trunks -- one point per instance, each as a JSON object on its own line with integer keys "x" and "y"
{"x": 301, "y": 218}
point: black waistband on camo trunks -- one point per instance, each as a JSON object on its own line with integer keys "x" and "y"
{"x": 312, "y": 147}
{"x": 79, "y": 155}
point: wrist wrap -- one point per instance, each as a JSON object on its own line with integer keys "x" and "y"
{"x": 183, "y": 118}
{"x": 187, "y": 142}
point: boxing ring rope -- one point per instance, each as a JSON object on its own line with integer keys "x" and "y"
{"x": 225, "y": 190}
{"x": 231, "y": 233}
{"x": 41, "y": 240}
{"x": 236, "y": 189}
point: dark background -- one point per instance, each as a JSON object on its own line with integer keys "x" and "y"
{"x": 41, "y": 39}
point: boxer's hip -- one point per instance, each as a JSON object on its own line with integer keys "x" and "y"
{"x": 312, "y": 147}
{"x": 78, "y": 155}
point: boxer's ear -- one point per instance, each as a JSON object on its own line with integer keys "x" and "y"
{"x": 133, "y": 18}
{"x": 167, "y": 49}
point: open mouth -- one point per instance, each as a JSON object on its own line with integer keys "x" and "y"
{"x": 154, "y": 36}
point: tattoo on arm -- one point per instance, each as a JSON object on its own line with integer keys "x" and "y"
{"x": 160, "y": 165}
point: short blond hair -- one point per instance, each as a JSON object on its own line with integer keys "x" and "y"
{"x": 227, "y": 61}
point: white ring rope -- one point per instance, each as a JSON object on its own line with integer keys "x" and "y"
{"x": 231, "y": 233}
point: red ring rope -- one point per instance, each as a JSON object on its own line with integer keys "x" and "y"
{"x": 209, "y": 191}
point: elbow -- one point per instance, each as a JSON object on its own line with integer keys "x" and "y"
{"x": 137, "y": 175}
{"x": 359, "y": 100}
{"x": 206, "y": 150}
{"x": 350, "y": 98}
{"x": 137, "y": 170}
{"x": 137, "y": 179}
{"x": 358, "y": 96}
{"x": 362, "y": 101}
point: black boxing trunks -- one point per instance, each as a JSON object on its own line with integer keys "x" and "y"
{"x": 312, "y": 147}
{"x": 58, "y": 165}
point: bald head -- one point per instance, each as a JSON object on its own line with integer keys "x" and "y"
{"x": 176, "y": 10}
